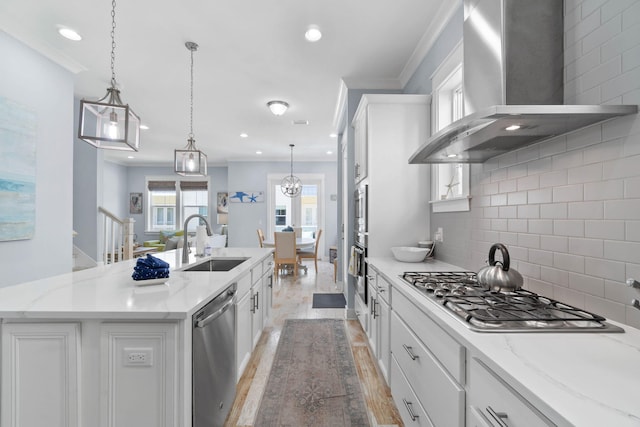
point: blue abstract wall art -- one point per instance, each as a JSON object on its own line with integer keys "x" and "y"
{"x": 18, "y": 136}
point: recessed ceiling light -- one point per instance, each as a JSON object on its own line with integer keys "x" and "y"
{"x": 300, "y": 122}
{"x": 70, "y": 34}
{"x": 333, "y": 135}
{"x": 258, "y": 152}
{"x": 512, "y": 127}
{"x": 451, "y": 156}
{"x": 130, "y": 157}
{"x": 244, "y": 135}
{"x": 144, "y": 127}
{"x": 329, "y": 152}
{"x": 313, "y": 34}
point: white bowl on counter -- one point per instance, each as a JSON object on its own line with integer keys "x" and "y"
{"x": 409, "y": 253}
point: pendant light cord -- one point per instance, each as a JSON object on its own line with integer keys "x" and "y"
{"x": 113, "y": 43}
{"x": 291, "y": 145}
{"x": 191, "y": 106}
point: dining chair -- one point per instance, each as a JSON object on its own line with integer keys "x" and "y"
{"x": 313, "y": 252}
{"x": 285, "y": 251}
{"x": 260, "y": 237}
{"x": 298, "y": 232}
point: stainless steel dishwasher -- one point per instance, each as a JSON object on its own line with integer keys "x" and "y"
{"x": 214, "y": 360}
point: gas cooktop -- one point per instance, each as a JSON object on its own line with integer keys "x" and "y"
{"x": 517, "y": 311}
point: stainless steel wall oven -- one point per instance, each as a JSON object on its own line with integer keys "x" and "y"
{"x": 361, "y": 240}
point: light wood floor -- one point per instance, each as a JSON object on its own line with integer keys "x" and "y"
{"x": 292, "y": 300}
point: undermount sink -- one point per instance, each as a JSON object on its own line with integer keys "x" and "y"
{"x": 216, "y": 264}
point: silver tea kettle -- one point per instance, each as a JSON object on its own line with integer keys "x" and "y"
{"x": 497, "y": 276}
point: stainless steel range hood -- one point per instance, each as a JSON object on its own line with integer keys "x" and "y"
{"x": 512, "y": 76}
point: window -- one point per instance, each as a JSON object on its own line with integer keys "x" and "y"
{"x": 281, "y": 217}
{"x": 450, "y": 181}
{"x": 170, "y": 202}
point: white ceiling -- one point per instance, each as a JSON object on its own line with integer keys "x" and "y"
{"x": 251, "y": 52}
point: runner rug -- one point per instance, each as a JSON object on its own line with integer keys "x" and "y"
{"x": 328, "y": 301}
{"x": 313, "y": 380}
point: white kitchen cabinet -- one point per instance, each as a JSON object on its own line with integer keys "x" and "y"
{"x": 408, "y": 404}
{"x": 391, "y": 128}
{"x": 360, "y": 152}
{"x": 383, "y": 313}
{"x": 372, "y": 333}
{"x": 362, "y": 314}
{"x": 138, "y": 374}
{"x": 40, "y": 374}
{"x": 493, "y": 403}
{"x": 257, "y": 302}
{"x": 244, "y": 323}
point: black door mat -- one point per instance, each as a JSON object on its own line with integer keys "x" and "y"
{"x": 329, "y": 301}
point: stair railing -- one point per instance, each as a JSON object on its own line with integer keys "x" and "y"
{"x": 117, "y": 237}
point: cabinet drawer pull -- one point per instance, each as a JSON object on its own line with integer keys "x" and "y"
{"x": 409, "y": 409}
{"x": 410, "y": 351}
{"x": 499, "y": 417}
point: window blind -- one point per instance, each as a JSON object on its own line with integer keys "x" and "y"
{"x": 161, "y": 185}
{"x": 193, "y": 185}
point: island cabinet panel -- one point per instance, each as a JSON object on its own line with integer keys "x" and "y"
{"x": 40, "y": 375}
{"x": 138, "y": 375}
{"x": 492, "y": 402}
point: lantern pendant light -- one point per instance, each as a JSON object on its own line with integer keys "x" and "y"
{"x": 108, "y": 123}
{"x": 291, "y": 186}
{"x": 190, "y": 161}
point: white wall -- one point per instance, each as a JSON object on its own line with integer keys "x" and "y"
{"x": 46, "y": 88}
{"x": 569, "y": 209}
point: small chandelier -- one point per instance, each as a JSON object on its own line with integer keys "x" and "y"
{"x": 190, "y": 161}
{"x": 108, "y": 123}
{"x": 277, "y": 107}
{"x": 291, "y": 185}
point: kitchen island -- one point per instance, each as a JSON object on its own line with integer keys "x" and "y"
{"x": 456, "y": 376}
{"x": 96, "y": 348}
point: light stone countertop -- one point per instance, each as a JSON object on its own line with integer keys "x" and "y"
{"x": 109, "y": 292}
{"x": 581, "y": 379}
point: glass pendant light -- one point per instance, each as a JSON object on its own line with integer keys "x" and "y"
{"x": 190, "y": 161}
{"x": 291, "y": 186}
{"x": 108, "y": 123}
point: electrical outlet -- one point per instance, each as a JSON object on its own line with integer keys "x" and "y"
{"x": 138, "y": 357}
{"x": 438, "y": 236}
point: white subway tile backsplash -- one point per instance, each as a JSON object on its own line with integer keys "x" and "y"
{"x": 613, "y": 230}
{"x": 554, "y": 211}
{"x": 619, "y": 292}
{"x": 631, "y": 16}
{"x": 517, "y": 226}
{"x": 539, "y": 287}
{"x": 631, "y": 59}
{"x": 632, "y": 231}
{"x": 569, "y": 296}
{"x": 622, "y": 127}
{"x": 499, "y": 224}
{"x": 528, "y": 154}
{"x": 607, "y": 269}
{"x": 554, "y": 276}
{"x": 508, "y": 212}
{"x": 632, "y": 188}
{"x": 588, "y": 173}
{"x": 555, "y": 243}
{"x": 498, "y": 175}
{"x": 508, "y": 239}
{"x": 568, "y": 227}
{"x": 620, "y": 84}
{"x": 622, "y": 251}
{"x": 529, "y": 270}
{"x": 507, "y": 159}
{"x": 590, "y": 6}
{"x": 582, "y": 63}
{"x": 604, "y": 190}
{"x": 491, "y": 212}
{"x": 604, "y": 32}
{"x": 552, "y": 179}
{"x": 609, "y": 309}
{"x": 498, "y": 200}
{"x": 531, "y": 182}
{"x": 624, "y": 41}
{"x": 540, "y": 226}
{"x": 539, "y": 166}
{"x": 586, "y": 210}
{"x": 621, "y": 209}
{"x": 584, "y": 137}
{"x": 612, "y": 8}
{"x": 632, "y": 271}
{"x": 608, "y": 150}
{"x": 591, "y": 96}
{"x": 569, "y": 262}
{"x": 568, "y": 193}
{"x": 588, "y": 284}
{"x": 529, "y": 240}
{"x": 480, "y": 201}
{"x": 528, "y": 211}
{"x": 570, "y": 159}
{"x": 544, "y": 195}
{"x": 517, "y": 171}
{"x": 586, "y": 247}
{"x": 541, "y": 257}
{"x": 508, "y": 186}
{"x": 519, "y": 198}
{"x": 621, "y": 168}
{"x": 582, "y": 28}
{"x": 491, "y": 188}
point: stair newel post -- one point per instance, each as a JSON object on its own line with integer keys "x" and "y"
{"x": 128, "y": 238}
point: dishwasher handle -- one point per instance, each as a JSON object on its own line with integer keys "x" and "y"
{"x": 201, "y": 323}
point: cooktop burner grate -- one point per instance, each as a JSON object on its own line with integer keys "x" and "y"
{"x": 517, "y": 311}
